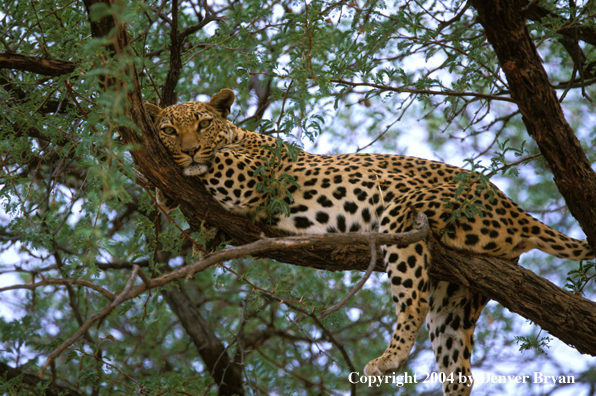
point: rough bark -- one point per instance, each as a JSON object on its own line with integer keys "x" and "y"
{"x": 570, "y": 318}
{"x": 506, "y": 30}
{"x": 34, "y": 64}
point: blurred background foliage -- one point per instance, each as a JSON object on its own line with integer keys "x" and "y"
{"x": 404, "y": 77}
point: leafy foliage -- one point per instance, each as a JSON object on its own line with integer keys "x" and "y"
{"x": 580, "y": 277}
{"x": 534, "y": 343}
{"x": 273, "y": 186}
{"x": 403, "y": 77}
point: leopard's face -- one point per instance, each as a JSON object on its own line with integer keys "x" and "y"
{"x": 188, "y": 131}
{"x": 192, "y": 131}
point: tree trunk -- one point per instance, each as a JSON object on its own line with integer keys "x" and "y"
{"x": 506, "y": 30}
{"x": 226, "y": 374}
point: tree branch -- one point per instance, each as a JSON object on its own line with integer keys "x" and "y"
{"x": 123, "y": 296}
{"x": 46, "y": 282}
{"x": 533, "y": 11}
{"x": 227, "y": 374}
{"x": 195, "y": 28}
{"x": 261, "y": 246}
{"x": 541, "y": 112}
{"x": 405, "y": 89}
{"x": 168, "y": 96}
{"x": 569, "y": 35}
{"x": 570, "y": 318}
{"x": 34, "y": 64}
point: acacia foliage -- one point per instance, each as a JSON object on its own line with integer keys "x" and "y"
{"x": 348, "y": 75}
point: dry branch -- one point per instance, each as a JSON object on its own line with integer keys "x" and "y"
{"x": 261, "y": 246}
{"x": 46, "y": 282}
{"x": 123, "y": 296}
{"x": 361, "y": 282}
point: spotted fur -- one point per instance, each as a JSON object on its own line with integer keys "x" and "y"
{"x": 368, "y": 192}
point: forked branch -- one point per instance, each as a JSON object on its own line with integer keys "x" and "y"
{"x": 259, "y": 247}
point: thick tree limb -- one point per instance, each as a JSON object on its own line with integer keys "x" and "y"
{"x": 570, "y": 318}
{"x": 532, "y": 10}
{"x": 34, "y": 64}
{"x": 530, "y": 88}
{"x": 570, "y": 34}
{"x": 226, "y": 374}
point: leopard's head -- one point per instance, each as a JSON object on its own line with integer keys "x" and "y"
{"x": 191, "y": 131}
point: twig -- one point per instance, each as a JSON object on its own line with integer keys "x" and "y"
{"x": 47, "y": 282}
{"x": 405, "y": 89}
{"x": 507, "y": 166}
{"x": 104, "y": 312}
{"x": 139, "y": 181}
{"x": 302, "y": 378}
{"x": 457, "y": 17}
{"x": 369, "y": 270}
{"x": 261, "y": 246}
{"x": 114, "y": 367}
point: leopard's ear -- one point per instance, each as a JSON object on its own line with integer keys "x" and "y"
{"x": 153, "y": 110}
{"x": 223, "y": 101}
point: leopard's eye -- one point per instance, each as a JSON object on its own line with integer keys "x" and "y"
{"x": 204, "y": 124}
{"x": 169, "y": 131}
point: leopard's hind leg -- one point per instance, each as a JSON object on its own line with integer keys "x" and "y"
{"x": 451, "y": 321}
{"x": 407, "y": 271}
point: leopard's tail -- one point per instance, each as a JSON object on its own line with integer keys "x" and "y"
{"x": 560, "y": 245}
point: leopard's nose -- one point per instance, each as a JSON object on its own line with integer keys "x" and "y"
{"x": 190, "y": 150}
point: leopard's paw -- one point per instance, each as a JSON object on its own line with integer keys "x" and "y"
{"x": 166, "y": 203}
{"x": 372, "y": 368}
{"x": 384, "y": 365}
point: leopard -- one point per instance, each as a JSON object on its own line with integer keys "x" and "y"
{"x": 363, "y": 192}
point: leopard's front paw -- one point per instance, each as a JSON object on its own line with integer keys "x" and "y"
{"x": 208, "y": 239}
{"x": 372, "y": 368}
{"x": 384, "y": 365}
{"x": 166, "y": 203}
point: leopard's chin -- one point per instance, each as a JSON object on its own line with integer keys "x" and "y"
{"x": 196, "y": 170}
